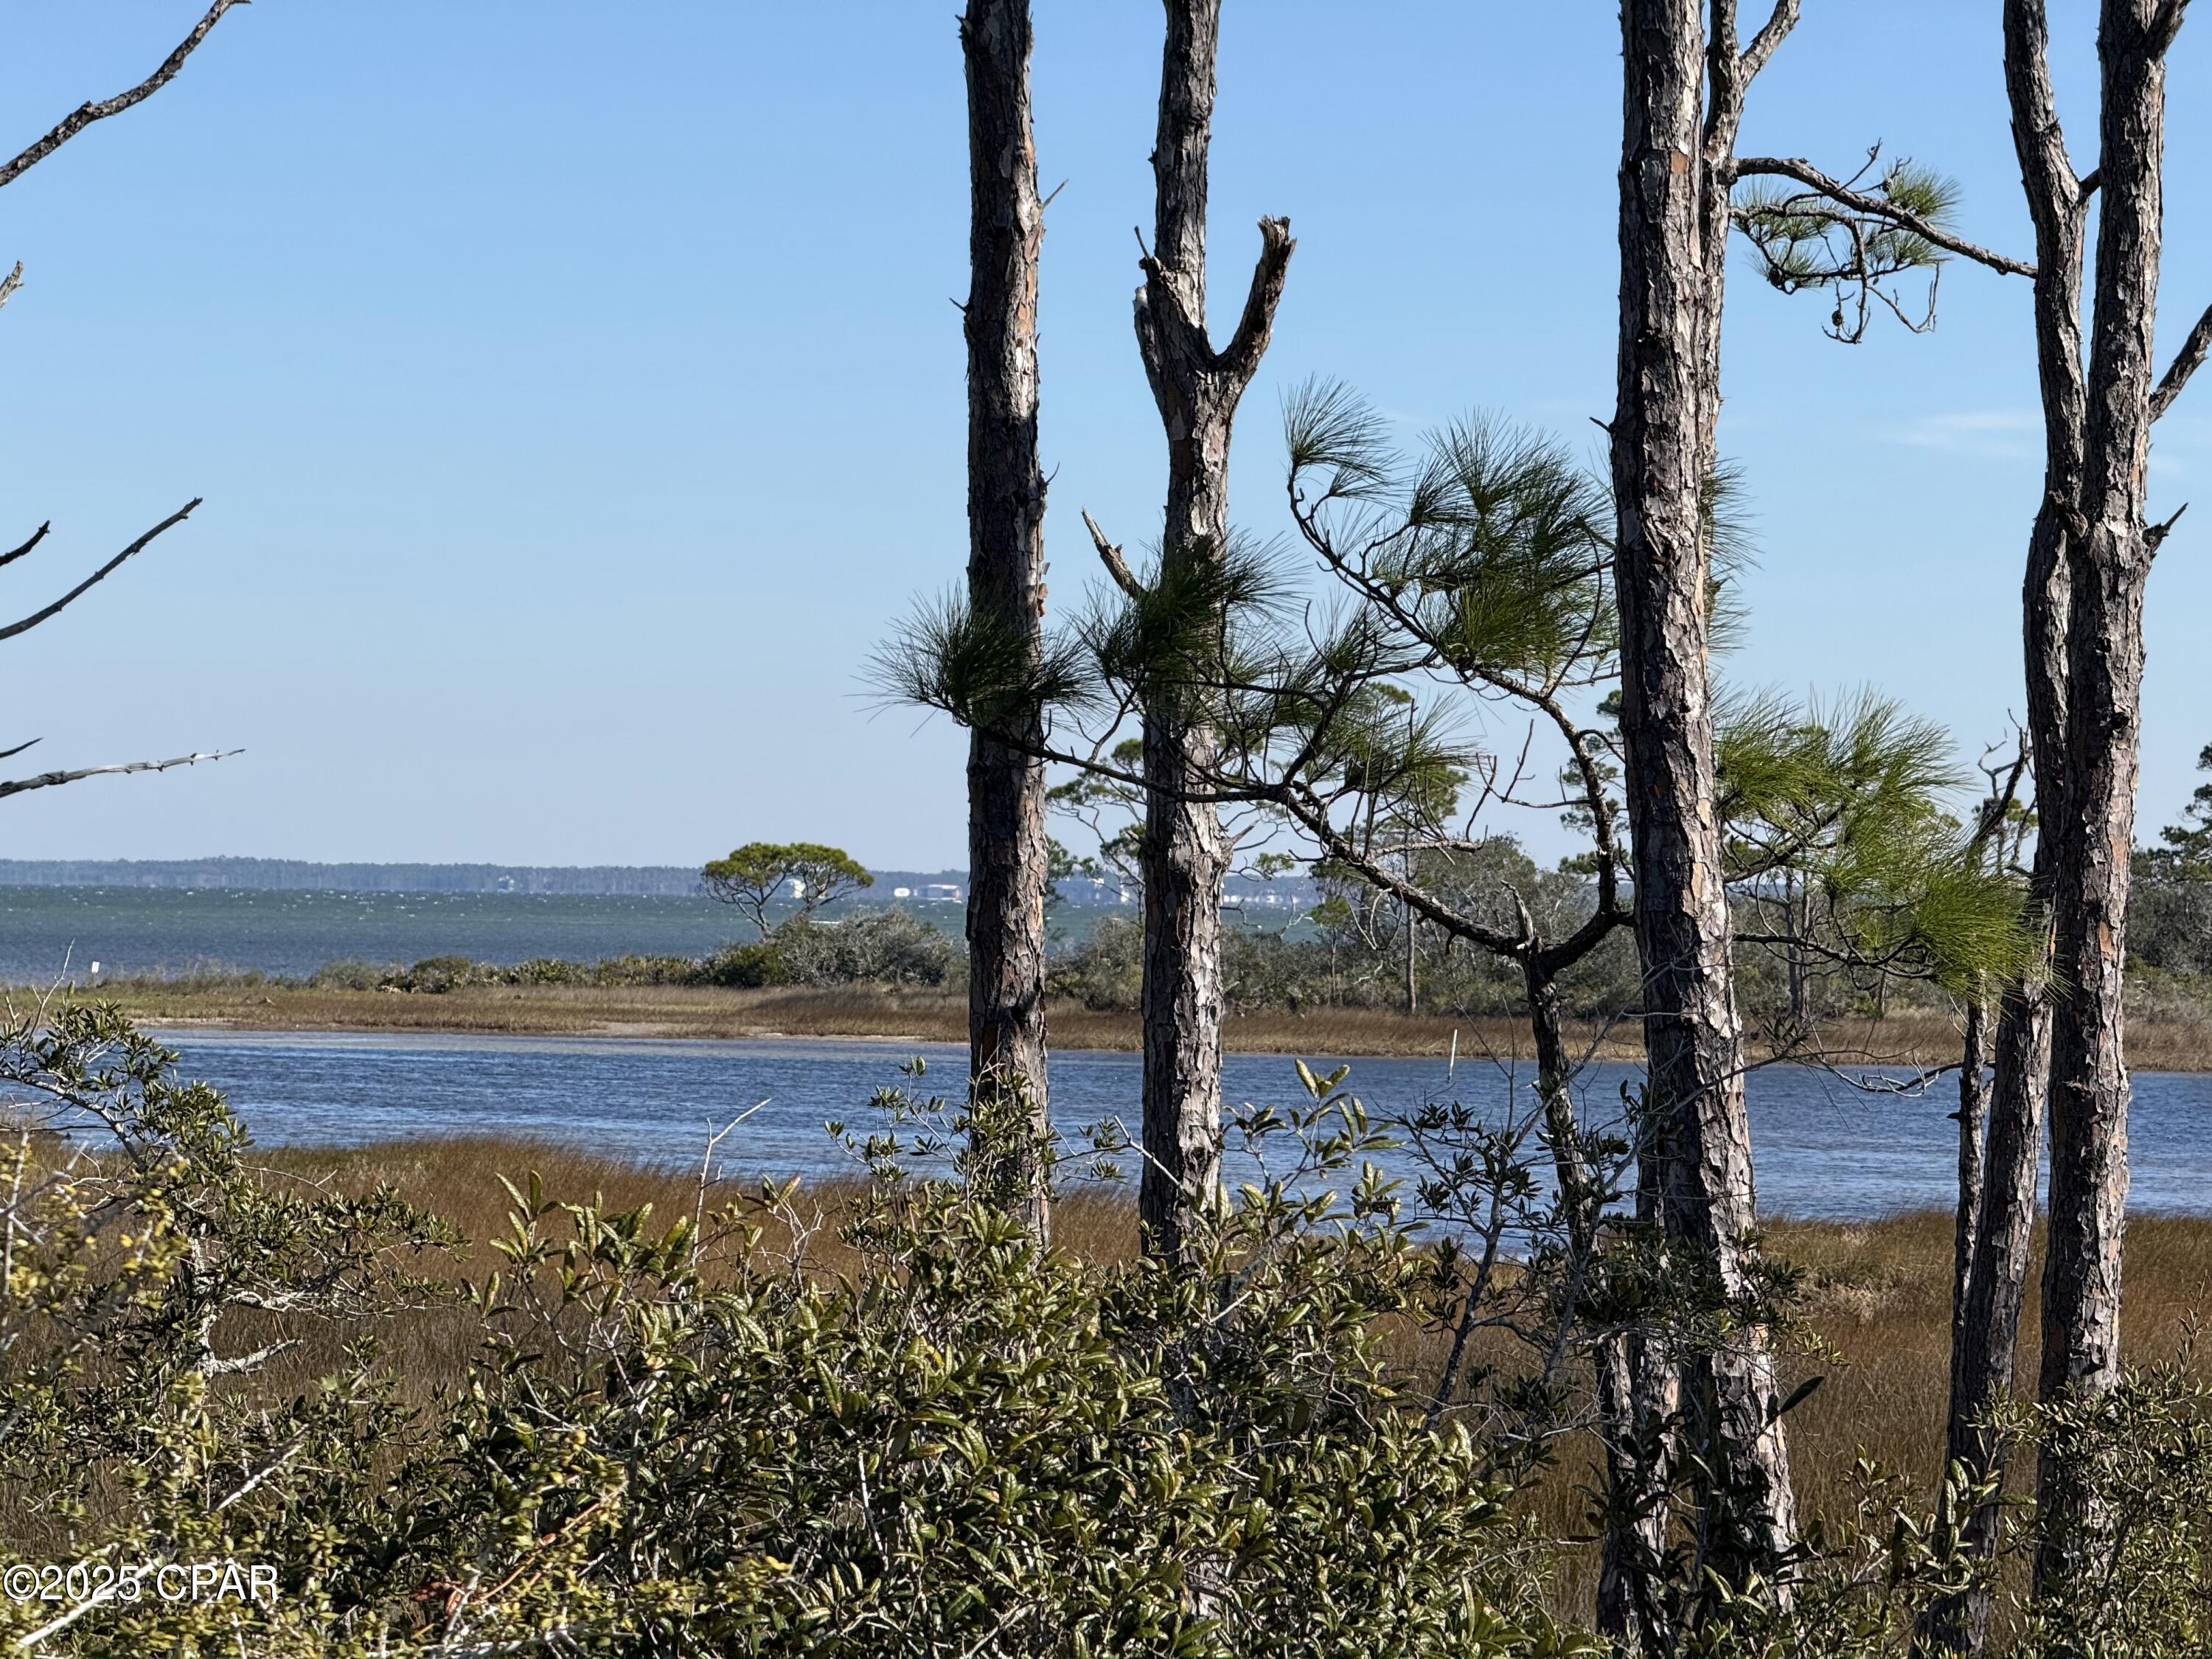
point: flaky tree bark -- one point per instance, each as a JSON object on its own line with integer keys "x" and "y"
{"x": 1985, "y": 1320}
{"x": 1976, "y": 1050}
{"x": 1985, "y": 1331}
{"x": 1677, "y": 167}
{"x": 2111, "y": 545}
{"x": 1006, "y": 861}
{"x": 1185, "y": 854}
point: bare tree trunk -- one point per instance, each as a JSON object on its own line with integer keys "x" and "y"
{"x": 1677, "y": 166}
{"x": 1985, "y": 1331}
{"x": 1798, "y": 912}
{"x": 2111, "y": 546}
{"x": 1412, "y": 984}
{"x": 1185, "y": 853}
{"x": 1007, "y": 862}
{"x": 1632, "y": 1547}
{"x": 1976, "y": 1050}
{"x": 1985, "y": 1323}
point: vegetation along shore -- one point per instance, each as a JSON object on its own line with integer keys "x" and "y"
{"x": 657, "y": 998}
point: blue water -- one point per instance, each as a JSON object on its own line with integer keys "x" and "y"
{"x": 132, "y": 931}
{"x": 1824, "y": 1147}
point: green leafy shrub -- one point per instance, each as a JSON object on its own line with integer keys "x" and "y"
{"x": 744, "y": 967}
{"x": 894, "y": 1426}
{"x": 353, "y": 974}
{"x": 687, "y": 1436}
{"x": 1105, "y": 969}
{"x": 882, "y": 947}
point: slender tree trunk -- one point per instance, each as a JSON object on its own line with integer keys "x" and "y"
{"x": 1985, "y": 1331}
{"x": 1985, "y": 1324}
{"x": 1976, "y": 1050}
{"x": 1007, "y": 860}
{"x": 2111, "y": 548}
{"x": 1676, "y": 167}
{"x": 1185, "y": 852}
{"x": 1412, "y": 984}
{"x": 1633, "y": 1548}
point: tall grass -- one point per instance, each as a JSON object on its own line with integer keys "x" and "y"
{"x": 1875, "y": 1321}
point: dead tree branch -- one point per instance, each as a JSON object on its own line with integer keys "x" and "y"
{"x": 37, "y": 536}
{"x": 48, "y": 780}
{"x": 85, "y": 114}
{"x": 97, "y": 576}
{"x": 2186, "y": 362}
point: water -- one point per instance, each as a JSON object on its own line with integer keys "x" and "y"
{"x": 135, "y": 931}
{"x": 1824, "y": 1147}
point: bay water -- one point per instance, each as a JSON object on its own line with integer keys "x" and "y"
{"x": 1828, "y": 1144}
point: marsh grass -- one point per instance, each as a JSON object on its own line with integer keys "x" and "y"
{"x": 1874, "y": 1323}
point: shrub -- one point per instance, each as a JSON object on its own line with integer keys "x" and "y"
{"x": 744, "y": 966}
{"x": 675, "y": 1440}
{"x": 1106, "y": 969}
{"x": 437, "y": 975}
{"x": 353, "y": 974}
{"x": 883, "y": 947}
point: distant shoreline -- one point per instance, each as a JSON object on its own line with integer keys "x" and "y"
{"x": 892, "y": 1016}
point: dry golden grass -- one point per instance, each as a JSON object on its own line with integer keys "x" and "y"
{"x": 1877, "y": 1311}
{"x": 1875, "y": 1324}
{"x": 687, "y": 1011}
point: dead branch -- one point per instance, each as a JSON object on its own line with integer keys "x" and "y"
{"x": 1111, "y": 556}
{"x": 97, "y": 576}
{"x": 85, "y": 114}
{"x": 37, "y": 536}
{"x": 2186, "y": 362}
{"x": 1240, "y": 361}
{"x": 48, "y": 780}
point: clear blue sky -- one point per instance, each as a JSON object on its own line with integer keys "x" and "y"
{"x": 576, "y": 396}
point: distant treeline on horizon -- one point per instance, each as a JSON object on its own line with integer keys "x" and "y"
{"x": 298, "y": 875}
{"x": 1287, "y": 892}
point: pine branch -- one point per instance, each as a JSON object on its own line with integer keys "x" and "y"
{"x": 1880, "y": 207}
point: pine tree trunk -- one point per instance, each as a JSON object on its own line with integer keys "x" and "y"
{"x": 1185, "y": 852}
{"x": 1985, "y": 1320}
{"x": 1412, "y": 983}
{"x": 1631, "y": 1550}
{"x": 1976, "y": 1050}
{"x": 1676, "y": 167}
{"x": 1006, "y": 861}
{"x": 2112, "y": 548}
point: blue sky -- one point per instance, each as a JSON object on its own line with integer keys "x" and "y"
{"x": 576, "y": 394}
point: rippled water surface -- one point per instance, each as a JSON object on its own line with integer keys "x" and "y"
{"x": 1824, "y": 1147}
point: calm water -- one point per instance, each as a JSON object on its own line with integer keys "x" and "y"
{"x": 1825, "y": 1148}
{"x": 155, "y": 931}
{"x": 139, "y": 930}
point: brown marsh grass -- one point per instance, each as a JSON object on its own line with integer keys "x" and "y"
{"x": 1875, "y": 1324}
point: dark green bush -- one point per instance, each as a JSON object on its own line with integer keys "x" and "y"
{"x": 879, "y": 947}
{"x": 744, "y": 966}
{"x": 677, "y": 1440}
